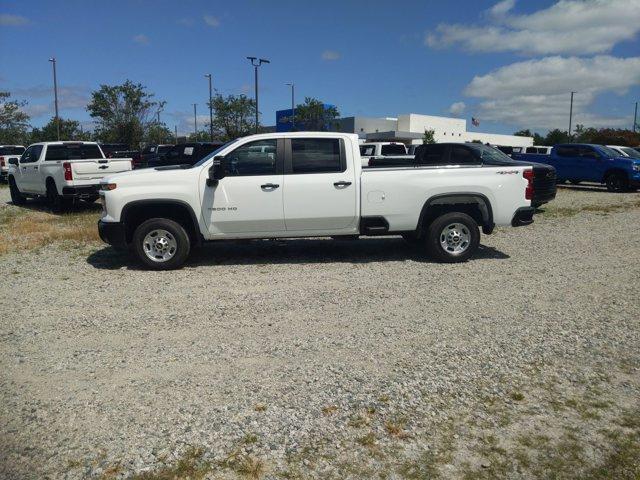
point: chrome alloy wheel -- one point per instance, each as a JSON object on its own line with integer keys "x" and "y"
{"x": 455, "y": 238}
{"x": 159, "y": 245}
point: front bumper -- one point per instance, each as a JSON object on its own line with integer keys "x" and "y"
{"x": 523, "y": 216}
{"x": 83, "y": 191}
{"x": 113, "y": 233}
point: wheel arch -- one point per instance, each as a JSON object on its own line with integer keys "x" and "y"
{"x": 137, "y": 211}
{"x": 614, "y": 170}
{"x": 476, "y": 205}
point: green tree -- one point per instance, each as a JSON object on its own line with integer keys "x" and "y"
{"x": 312, "y": 115}
{"x": 69, "y": 130}
{"x": 201, "y": 136}
{"x": 13, "y": 121}
{"x": 556, "y": 136}
{"x": 123, "y": 112}
{"x": 234, "y": 116}
{"x": 158, "y": 133}
{"x": 538, "y": 139}
{"x": 428, "y": 136}
{"x": 523, "y": 133}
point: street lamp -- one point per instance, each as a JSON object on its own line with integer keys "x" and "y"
{"x": 293, "y": 105}
{"x": 208, "y": 75}
{"x": 55, "y": 93}
{"x": 571, "y": 116}
{"x": 195, "y": 122}
{"x": 256, "y": 62}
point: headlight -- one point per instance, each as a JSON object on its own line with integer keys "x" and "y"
{"x": 636, "y": 167}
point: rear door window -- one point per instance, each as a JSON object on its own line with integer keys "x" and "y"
{"x": 567, "y": 151}
{"x": 432, "y": 155}
{"x": 462, "y": 156}
{"x": 395, "y": 149}
{"x": 316, "y": 155}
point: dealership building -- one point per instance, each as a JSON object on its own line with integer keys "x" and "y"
{"x": 409, "y": 129}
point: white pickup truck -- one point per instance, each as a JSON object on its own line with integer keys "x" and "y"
{"x": 7, "y": 152}
{"x": 61, "y": 171}
{"x": 308, "y": 184}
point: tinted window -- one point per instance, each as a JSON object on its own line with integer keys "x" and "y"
{"x": 367, "y": 150}
{"x": 567, "y": 151}
{"x": 316, "y": 155}
{"x": 431, "y": 154}
{"x": 461, "y": 155}
{"x": 610, "y": 152}
{"x": 631, "y": 152}
{"x": 490, "y": 155}
{"x": 394, "y": 150}
{"x": 255, "y": 158}
{"x": 26, "y": 156}
{"x": 72, "y": 152}
{"x": 148, "y": 149}
{"x": 532, "y": 150}
{"x": 11, "y": 150}
{"x": 505, "y": 149}
{"x": 163, "y": 149}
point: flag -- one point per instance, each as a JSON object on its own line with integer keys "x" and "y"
{"x": 475, "y": 122}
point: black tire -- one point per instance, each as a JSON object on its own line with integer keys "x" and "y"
{"x": 467, "y": 231}
{"x": 174, "y": 232}
{"x": 617, "y": 182}
{"x": 56, "y": 202}
{"x": 16, "y": 197}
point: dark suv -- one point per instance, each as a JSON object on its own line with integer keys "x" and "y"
{"x": 185, "y": 154}
{"x": 154, "y": 153}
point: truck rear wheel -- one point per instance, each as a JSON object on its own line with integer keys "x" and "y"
{"x": 16, "y": 197}
{"x": 453, "y": 237}
{"x": 161, "y": 244}
{"x": 57, "y": 202}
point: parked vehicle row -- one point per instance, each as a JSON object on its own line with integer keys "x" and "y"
{"x": 579, "y": 162}
{"x": 308, "y": 184}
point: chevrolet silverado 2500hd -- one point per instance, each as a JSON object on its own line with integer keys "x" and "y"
{"x": 61, "y": 171}
{"x": 308, "y": 184}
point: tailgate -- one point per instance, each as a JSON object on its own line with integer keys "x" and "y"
{"x": 95, "y": 169}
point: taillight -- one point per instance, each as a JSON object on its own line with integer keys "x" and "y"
{"x": 529, "y": 191}
{"x": 1, "y": 161}
{"x": 68, "y": 174}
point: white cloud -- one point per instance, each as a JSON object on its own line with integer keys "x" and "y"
{"x": 211, "y": 21}
{"x": 330, "y": 55}
{"x": 535, "y": 93}
{"x": 457, "y": 108}
{"x": 567, "y": 27}
{"x": 141, "y": 39}
{"x": 185, "y": 22}
{"x": 7, "y": 20}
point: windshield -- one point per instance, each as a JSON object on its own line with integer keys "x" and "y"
{"x": 631, "y": 152}
{"x": 394, "y": 149}
{"x": 490, "y": 154}
{"x": 11, "y": 150}
{"x": 609, "y": 152}
{"x": 214, "y": 153}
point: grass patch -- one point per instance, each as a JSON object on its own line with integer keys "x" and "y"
{"x": 517, "y": 396}
{"x": 260, "y": 407}
{"x": 559, "y": 212}
{"x": 191, "y": 466}
{"x": 329, "y": 410}
{"x": 368, "y": 440}
{"x": 24, "y": 229}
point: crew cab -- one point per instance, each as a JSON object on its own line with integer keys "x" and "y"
{"x": 381, "y": 149}
{"x": 308, "y": 184}
{"x": 61, "y": 171}
{"x": 7, "y": 152}
{"x": 581, "y": 162}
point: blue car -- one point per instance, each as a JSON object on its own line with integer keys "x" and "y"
{"x": 582, "y": 162}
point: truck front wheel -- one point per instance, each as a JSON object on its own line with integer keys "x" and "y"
{"x": 161, "y": 244}
{"x": 453, "y": 237}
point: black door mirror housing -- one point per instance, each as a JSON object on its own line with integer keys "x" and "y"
{"x": 13, "y": 161}
{"x": 217, "y": 171}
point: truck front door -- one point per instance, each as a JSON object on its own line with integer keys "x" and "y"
{"x": 319, "y": 186}
{"x": 249, "y": 198}
{"x": 29, "y": 176}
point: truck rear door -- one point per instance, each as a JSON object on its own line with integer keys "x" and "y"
{"x": 320, "y": 191}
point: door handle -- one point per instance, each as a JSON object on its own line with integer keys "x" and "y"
{"x": 269, "y": 186}
{"x": 35, "y": 168}
{"x": 341, "y": 184}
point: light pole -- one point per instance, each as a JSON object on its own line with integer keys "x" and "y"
{"x": 208, "y": 75}
{"x": 256, "y": 62}
{"x": 293, "y": 105}
{"x": 55, "y": 93}
{"x": 571, "y": 117}
{"x": 195, "y": 121}
{"x": 635, "y": 116}
{"x": 175, "y": 129}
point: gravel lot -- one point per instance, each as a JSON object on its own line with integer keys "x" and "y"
{"x": 331, "y": 359}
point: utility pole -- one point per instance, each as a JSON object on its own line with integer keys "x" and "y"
{"x": 571, "y": 117}
{"x": 158, "y": 117}
{"x": 208, "y": 75}
{"x": 175, "y": 127}
{"x": 256, "y": 62}
{"x": 55, "y": 93}
{"x": 635, "y": 116}
{"x": 293, "y": 106}
{"x": 195, "y": 121}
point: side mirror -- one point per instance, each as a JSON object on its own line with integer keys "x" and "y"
{"x": 217, "y": 171}
{"x": 13, "y": 161}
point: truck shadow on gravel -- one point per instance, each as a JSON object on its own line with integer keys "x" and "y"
{"x": 41, "y": 205}
{"x": 260, "y": 252}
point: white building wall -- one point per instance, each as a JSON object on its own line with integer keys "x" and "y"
{"x": 498, "y": 139}
{"x": 445, "y": 129}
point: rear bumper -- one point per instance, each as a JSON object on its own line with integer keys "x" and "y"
{"x": 522, "y": 217}
{"x": 81, "y": 191}
{"x": 112, "y": 233}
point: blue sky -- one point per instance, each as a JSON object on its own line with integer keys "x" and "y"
{"x": 510, "y": 64}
